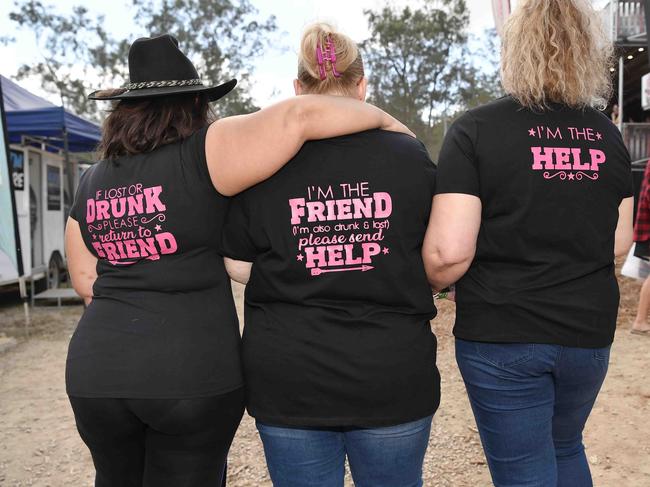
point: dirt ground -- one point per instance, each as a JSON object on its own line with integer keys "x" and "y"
{"x": 39, "y": 445}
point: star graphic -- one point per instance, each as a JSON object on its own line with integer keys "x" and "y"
{"x": 158, "y": 228}
{"x": 599, "y": 136}
{"x": 385, "y": 251}
{"x": 531, "y": 132}
{"x": 300, "y": 257}
{"x": 571, "y": 176}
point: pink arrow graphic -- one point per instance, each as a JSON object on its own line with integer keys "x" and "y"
{"x": 317, "y": 271}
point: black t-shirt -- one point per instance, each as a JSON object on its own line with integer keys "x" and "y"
{"x": 162, "y": 322}
{"x": 338, "y": 306}
{"x": 550, "y": 184}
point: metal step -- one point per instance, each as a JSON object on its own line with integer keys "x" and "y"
{"x": 59, "y": 294}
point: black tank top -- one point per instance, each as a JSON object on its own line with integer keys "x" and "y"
{"x": 162, "y": 322}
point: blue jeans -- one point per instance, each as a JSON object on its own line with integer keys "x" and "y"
{"x": 378, "y": 457}
{"x": 531, "y": 403}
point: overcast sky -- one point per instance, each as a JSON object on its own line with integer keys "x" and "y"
{"x": 274, "y": 72}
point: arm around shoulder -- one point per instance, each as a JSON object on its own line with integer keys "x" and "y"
{"x": 244, "y": 150}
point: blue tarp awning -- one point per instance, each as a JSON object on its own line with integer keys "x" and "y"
{"x": 28, "y": 114}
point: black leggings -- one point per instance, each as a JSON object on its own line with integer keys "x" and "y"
{"x": 159, "y": 442}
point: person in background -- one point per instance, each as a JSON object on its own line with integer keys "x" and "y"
{"x": 533, "y": 201}
{"x": 339, "y": 357}
{"x": 153, "y": 370}
{"x": 642, "y": 251}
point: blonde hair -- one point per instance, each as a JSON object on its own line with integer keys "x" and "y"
{"x": 349, "y": 63}
{"x": 556, "y": 51}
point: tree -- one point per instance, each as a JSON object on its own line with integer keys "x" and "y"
{"x": 421, "y": 67}
{"x": 483, "y": 82}
{"x": 478, "y": 83}
{"x": 222, "y": 38}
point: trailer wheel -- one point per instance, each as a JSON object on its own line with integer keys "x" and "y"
{"x": 54, "y": 272}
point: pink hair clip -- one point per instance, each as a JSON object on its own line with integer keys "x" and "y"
{"x": 328, "y": 56}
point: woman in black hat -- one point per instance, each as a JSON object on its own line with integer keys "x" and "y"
{"x": 153, "y": 370}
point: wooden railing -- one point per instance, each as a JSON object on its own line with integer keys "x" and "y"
{"x": 637, "y": 140}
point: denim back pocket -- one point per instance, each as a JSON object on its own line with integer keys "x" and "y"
{"x": 505, "y": 354}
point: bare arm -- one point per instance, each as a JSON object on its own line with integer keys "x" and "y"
{"x": 624, "y": 229}
{"x": 238, "y": 270}
{"x": 244, "y": 150}
{"x": 450, "y": 242}
{"x": 81, "y": 263}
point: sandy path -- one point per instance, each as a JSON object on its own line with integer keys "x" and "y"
{"x": 39, "y": 445}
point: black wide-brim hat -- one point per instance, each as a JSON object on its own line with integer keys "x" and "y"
{"x": 157, "y": 67}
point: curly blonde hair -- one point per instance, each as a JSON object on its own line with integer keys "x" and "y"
{"x": 556, "y": 51}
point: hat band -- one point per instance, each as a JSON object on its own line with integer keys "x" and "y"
{"x": 163, "y": 84}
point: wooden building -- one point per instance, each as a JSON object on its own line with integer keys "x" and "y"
{"x": 626, "y": 21}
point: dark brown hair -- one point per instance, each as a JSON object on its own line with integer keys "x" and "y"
{"x": 138, "y": 126}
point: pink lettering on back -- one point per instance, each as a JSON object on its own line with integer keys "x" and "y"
{"x": 597, "y": 158}
{"x": 152, "y": 197}
{"x": 540, "y": 157}
{"x": 383, "y": 205}
{"x": 102, "y": 210}
{"x": 297, "y": 209}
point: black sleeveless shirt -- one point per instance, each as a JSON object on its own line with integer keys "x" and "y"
{"x": 162, "y": 322}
